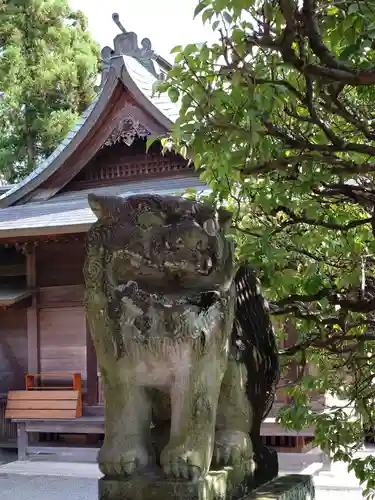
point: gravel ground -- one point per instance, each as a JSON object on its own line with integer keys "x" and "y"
{"x": 17, "y": 487}
{"x": 54, "y": 486}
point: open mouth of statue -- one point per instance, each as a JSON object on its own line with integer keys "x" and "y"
{"x": 139, "y": 259}
{"x": 204, "y": 267}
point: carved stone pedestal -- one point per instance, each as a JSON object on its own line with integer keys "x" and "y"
{"x": 218, "y": 485}
{"x": 215, "y": 486}
{"x": 290, "y": 487}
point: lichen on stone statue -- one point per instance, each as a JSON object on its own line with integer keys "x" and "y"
{"x": 183, "y": 339}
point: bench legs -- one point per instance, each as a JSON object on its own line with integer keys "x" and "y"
{"x": 22, "y": 441}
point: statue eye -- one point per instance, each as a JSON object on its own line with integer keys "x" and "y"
{"x": 210, "y": 226}
{"x": 180, "y": 242}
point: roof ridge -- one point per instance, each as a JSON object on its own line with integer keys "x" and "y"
{"x": 126, "y": 44}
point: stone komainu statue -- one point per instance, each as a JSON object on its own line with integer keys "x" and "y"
{"x": 185, "y": 346}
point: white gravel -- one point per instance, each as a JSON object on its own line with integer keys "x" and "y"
{"x": 18, "y": 487}
{"x": 46, "y": 479}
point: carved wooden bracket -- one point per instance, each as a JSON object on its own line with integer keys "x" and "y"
{"x": 127, "y": 131}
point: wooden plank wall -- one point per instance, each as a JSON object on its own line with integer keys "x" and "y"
{"x": 60, "y": 263}
{"x": 63, "y": 340}
{"x": 61, "y": 296}
{"x": 61, "y": 318}
{"x": 13, "y": 349}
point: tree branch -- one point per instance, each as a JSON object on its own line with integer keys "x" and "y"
{"x": 330, "y": 70}
{"x": 289, "y": 161}
{"x": 317, "y": 45}
{"x": 314, "y": 115}
{"x": 300, "y": 219}
{"x": 300, "y": 143}
{"x": 323, "y": 293}
{"x": 340, "y": 109}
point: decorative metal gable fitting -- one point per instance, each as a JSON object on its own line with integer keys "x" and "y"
{"x": 126, "y": 44}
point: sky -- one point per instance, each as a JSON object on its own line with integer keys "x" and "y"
{"x": 166, "y": 23}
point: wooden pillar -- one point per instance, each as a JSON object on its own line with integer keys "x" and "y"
{"x": 22, "y": 441}
{"x": 91, "y": 370}
{"x": 33, "y": 347}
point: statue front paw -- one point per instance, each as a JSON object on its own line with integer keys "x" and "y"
{"x": 183, "y": 462}
{"x": 115, "y": 461}
{"x": 232, "y": 447}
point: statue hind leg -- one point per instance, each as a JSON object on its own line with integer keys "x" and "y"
{"x": 233, "y": 419}
{"x": 265, "y": 458}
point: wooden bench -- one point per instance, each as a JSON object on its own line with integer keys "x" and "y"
{"x": 82, "y": 425}
{"x": 91, "y": 425}
{"x": 36, "y": 381}
{"x": 44, "y": 402}
{"x": 39, "y": 401}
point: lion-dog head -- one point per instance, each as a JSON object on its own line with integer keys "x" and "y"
{"x": 166, "y": 244}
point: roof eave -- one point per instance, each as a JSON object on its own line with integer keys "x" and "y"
{"x": 44, "y": 231}
{"x": 118, "y": 72}
{"x": 9, "y": 299}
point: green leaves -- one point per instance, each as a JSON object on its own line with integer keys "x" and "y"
{"x": 173, "y": 94}
{"x": 150, "y": 141}
{"x": 48, "y": 72}
{"x": 285, "y": 140}
{"x": 200, "y": 7}
{"x": 350, "y": 33}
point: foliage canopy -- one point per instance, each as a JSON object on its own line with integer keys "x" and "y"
{"x": 279, "y": 117}
{"x": 48, "y": 69}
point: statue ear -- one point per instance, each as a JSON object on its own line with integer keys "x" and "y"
{"x": 105, "y": 207}
{"x": 225, "y": 218}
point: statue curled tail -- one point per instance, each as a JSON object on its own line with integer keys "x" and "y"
{"x": 254, "y": 344}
